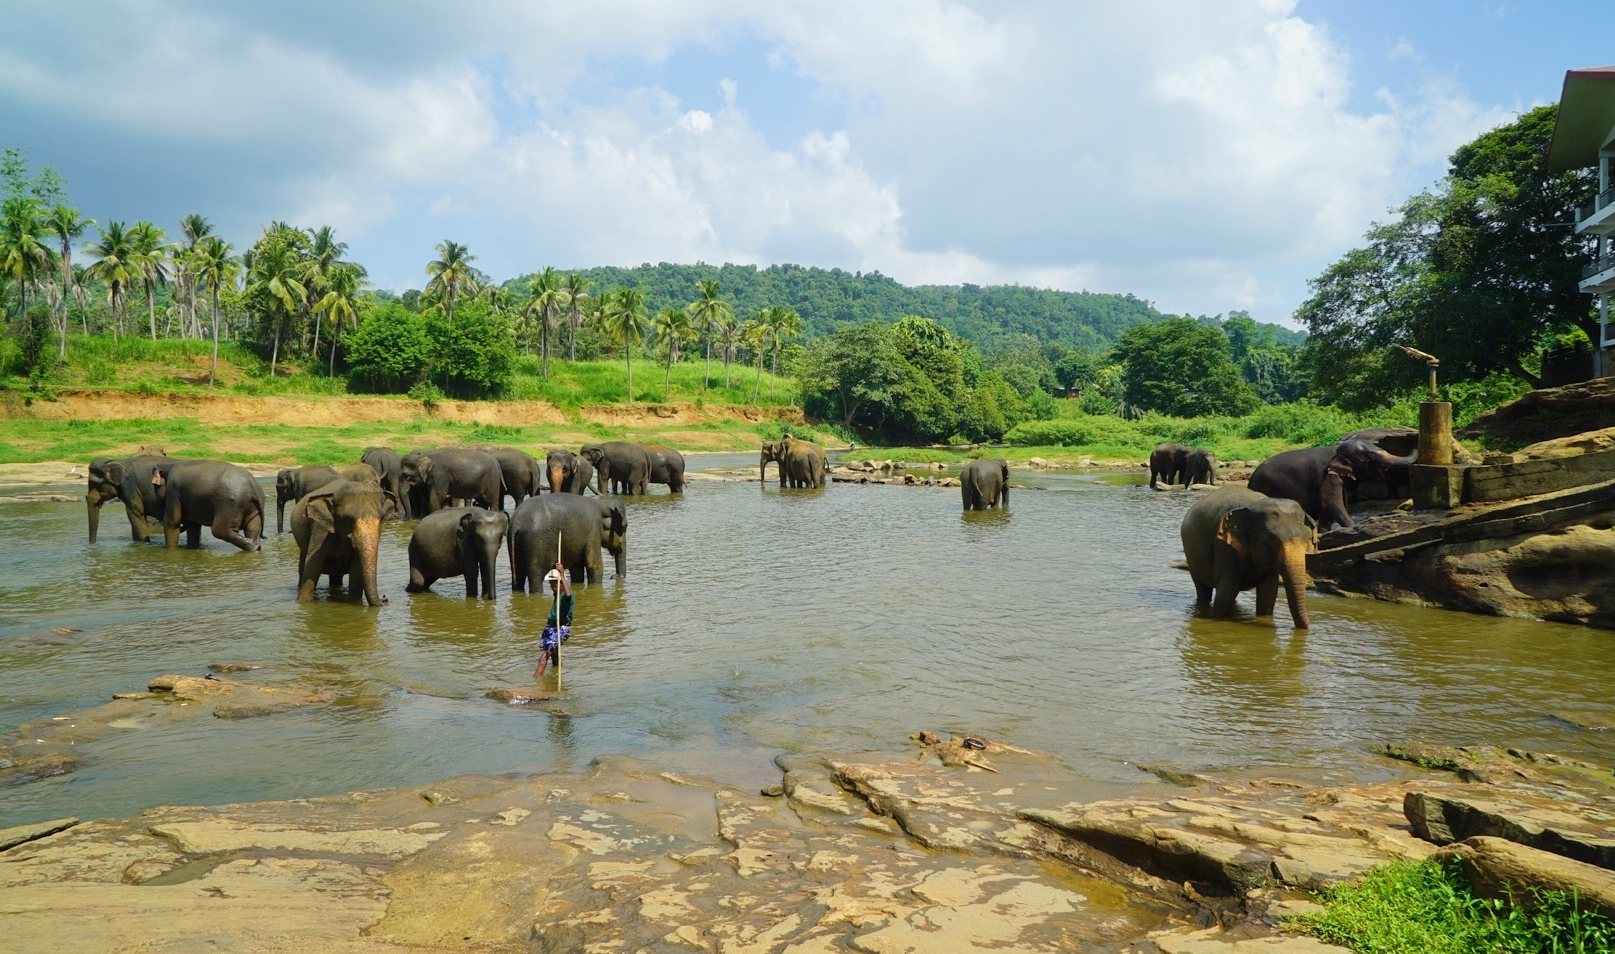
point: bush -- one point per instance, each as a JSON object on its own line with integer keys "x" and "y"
{"x": 1078, "y": 432}
{"x": 389, "y": 351}
{"x": 474, "y": 353}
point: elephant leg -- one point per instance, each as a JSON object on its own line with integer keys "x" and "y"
{"x": 305, "y": 587}
{"x": 1227, "y": 587}
{"x": 193, "y": 536}
{"x": 1202, "y": 593}
{"x": 137, "y": 523}
{"x": 1267, "y": 593}
{"x": 593, "y": 566}
{"x": 418, "y": 583}
{"x": 224, "y": 529}
{"x": 470, "y": 569}
{"x": 171, "y": 528}
{"x": 355, "y": 575}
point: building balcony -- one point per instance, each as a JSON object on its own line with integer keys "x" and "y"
{"x": 1599, "y": 277}
{"x": 1598, "y": 216}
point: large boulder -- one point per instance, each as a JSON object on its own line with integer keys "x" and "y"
{"x": 1499, "y": 868}
{"x": 1548, "y": 413}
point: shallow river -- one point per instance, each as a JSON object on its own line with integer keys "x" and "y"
{"x": 755, "y": 621}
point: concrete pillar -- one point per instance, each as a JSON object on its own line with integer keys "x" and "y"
{"x": 1437, "y": 485}
{"x": 1435, "y": 432}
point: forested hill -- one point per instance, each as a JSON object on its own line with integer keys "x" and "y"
{"x": 828, "y": 299}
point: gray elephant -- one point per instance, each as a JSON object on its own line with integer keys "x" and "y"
{"x": 1236, "y": 539}
{"x": 221, "y": 496}
{"x": 1167, "y": 462}
{"x": 568, "y": 473}
{"x": 361, "y": 472}
{"x": 457, "y": 541}
{"x": 621, "y": 468}
{"x": 1317, "y": 477}
{"x": 293, "y": 483}
{"x": 985, "y": 483}
{"x": 128, "y": 480}
{"x": 666, "y": 467}
{"x": 338, "y": 533}
{"x": 1200, "y": 467}
{"x": 386, "y": 462}
{"x": 801, "y": 463}
{"x": 583, "y": 526}
{"x": 454, "y": 473}
{"x": 519, "y": 475}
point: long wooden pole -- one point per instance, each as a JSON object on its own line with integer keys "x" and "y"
{"x": 559, "y": 560}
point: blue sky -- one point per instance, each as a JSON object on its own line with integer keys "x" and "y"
{"x": 1206, "y": 156}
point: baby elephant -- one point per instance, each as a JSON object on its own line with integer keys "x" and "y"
{"x": 457, "y": 541}
{"x": 1237, "y": 540}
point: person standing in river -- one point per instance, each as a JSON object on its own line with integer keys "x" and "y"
{"x": 559, "y": 626}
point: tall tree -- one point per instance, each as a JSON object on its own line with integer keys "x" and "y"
{"x": 215, "y": 268}
{"x": 451, "y": 273}
{"x": 324, "y": 261}
{"x": 548, "y": 297}
{"x": 577, "y": 288}
{"x": 625, "y": 322}
{"x": 68, "y": 225}
{"x": 709, "y": 313}
{"x": 277, "y": 277}
{"x": 784, "y": 325}
{"x": 150, "y": 264}
{"x": 343, "y": 285}
{"x": 670, "y": 327}
{"x": 114, "y": 267}
{"x": 754, "y": 335}
{"x": 24, "y": 256}
{"x": 1181, "y": 367}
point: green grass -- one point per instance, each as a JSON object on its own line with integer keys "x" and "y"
{"x": 1421, "y": 907}
{"x": 577, "y": 383}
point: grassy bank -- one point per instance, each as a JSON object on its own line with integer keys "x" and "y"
{"x": 1421, "y": 907}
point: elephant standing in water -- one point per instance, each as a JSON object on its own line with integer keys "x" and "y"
{"x": 293, "y": 483}
{"x": 583, "y": 525}
{"x": 386, "y": 462}
{"x": 451, "y": 473}
{"x": 801, "y": 463}
{"x": 1237, "y": 540}
{"x": 568, "y": 473}
{"x": 457, "y": 541}
{"x": 220, "y": 495}
{"x": 622, "y": 468}
{"x": 128, "y": 480}
{"x": 1199, "y": 467}
{"x": 519, "y": 475}
{"x": 1316, "y": 477}
{"x": 666, "y": 467}
{"x": 985, "y": 483}
{"x": 1167, "y": 462}
{"x": 338, "y": 532}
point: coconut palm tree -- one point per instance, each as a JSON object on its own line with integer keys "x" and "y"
{"x": 323, "y": 262}
{"x": 24, "y": 256}
{"x": 548, "y": 298}
{"x": 671, "y": 327}
{"x": 728, "y": 329}
{"x": 68, "y": 225}
{"x": 150, "y": 254}
{"x": 707, "y": 314}
{"x": 624, "y": 319}
{"x": 784, "y": 325}
{"x": 277, "y": 274}
{"x": 215, "y": 268}
{"x": 451, "y": 273}
{"x": 114, "y": 266}
{"x": 754, "y": 335}
{"x": 342, "y": 286}
{"x": 577, "y": 289}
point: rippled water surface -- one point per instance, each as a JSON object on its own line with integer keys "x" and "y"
{"x": 755, "y": 621}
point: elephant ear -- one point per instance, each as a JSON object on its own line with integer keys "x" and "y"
{"x": 1312, "y": 526}
{"x": 317, "y": 507}
{"x": 114, "y": 471}
{"x": 468, "y": 526}
{"x": 1228, "y": 529}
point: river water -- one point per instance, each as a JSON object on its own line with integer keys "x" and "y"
{"x": 756, "y": 621}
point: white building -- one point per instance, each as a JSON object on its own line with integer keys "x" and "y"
{"x": 1584, "y": 135}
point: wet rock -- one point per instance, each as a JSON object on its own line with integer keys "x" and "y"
{"x": 21, "y": 834}
{"x": 1591, "y": 721}
{"x": 438, "y": 798}
{"x": 517, "y": 696}
{"x": 19, "y": 767}
{"x": 1499, "y": 868}
{"x": 1556, "y": 828}
{"x": 1218, "y": 941}
{"x": 232, "y": 667}
{"x": 950, "y": 482}
{"x": 220, "y": 836}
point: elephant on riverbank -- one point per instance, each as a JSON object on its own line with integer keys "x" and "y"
{"x": 1236, "y": 540}
{"x": 386, "y": 462}
{"x": 454, "y": 473}
{"x": 1317, "y": 477}
{"x": 1199, "y": 467}
{"x": 984, "y": 483}
{"x": 568, "y": 473}
{"x": 221, "y": 496}
{"x": 519, "y": 475}
{"x": 1167, "y": 462}
{"x": 293, "y": 483}
{"x": 457, "y": 541}
{"x": 584, "y": 527}
{"x": 622, "y": 468}
{"x": 801, "y": 463}
{"x": 128, "y": 480}
{"x": 666, "y": 467}
{"x": 338, "y": 533}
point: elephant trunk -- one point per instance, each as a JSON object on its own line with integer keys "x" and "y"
{"x": 280, "y": 514}
{"x": 621, "y": 555}
{"x": 490, "y": 562}
{"x": 92, "y": 502}
{"x": 762, "y": 469}
{"x": 1293, "y": 573}
{"x": 367, "y": 537}
{"x": 557, "y": 479}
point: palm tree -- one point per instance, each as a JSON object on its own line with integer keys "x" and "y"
{"x": 115, "y": 266}
{"x": 451, "y": 273}
{"x": 324, "y": 259}
{"x": 81, "y": 295}
{"x": 24, "y": 256}
{"x": 149, "y": 253}
{"x": 68, "y": 225}
{"x": 754, "y": 335}
{"x": 547, "y": 299}
{"x": 784, "y": 324}
{"x": 708, "y": 314}
{"x": 277, "y": 274}
{"x": 670, "y": 327}
{"x": 624, "y": 319}
{"x": 728, "y": 328}
{"x": 215, "y": 267}
{"x": 341, "y": 300}
{"x": 577, "y": 288}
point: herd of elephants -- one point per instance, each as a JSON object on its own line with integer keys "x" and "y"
{"x": 1234, "y": 539}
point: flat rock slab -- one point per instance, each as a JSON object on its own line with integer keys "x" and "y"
{"x": 1216, "y": 941}
{"x": 1498, "y": 868}
{"x": 225, "y": 835}
{"x": 1561, "y": 828}
{"x": 21, "y": 834}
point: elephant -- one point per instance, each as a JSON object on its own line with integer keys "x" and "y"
{"x": 451, "y": 473}
{"x": 293, "y": 483}
{"x": 1168, "y": 462}
{"x": 457, "y": 541}
{"x": 801, "y": 463}
{"x": 583, "y": 525}
{"x": 1200, "y": 467}
{"x": 1316, "y": 477}
{"x": 666, "y": 467}
{"x": 386, "y": 462}
{"x": 568, "y": 473}
{"x": 221, "y": 495}
{"x": 360, "y": 473}
{"x": 338, "y": 532}
{"x": 624, "y": 467}
{"x": 1237, "y": 540}
{"x": 128, "y": 480}
{"x": 519, "y": 475}
{"x": 985, "y": 483}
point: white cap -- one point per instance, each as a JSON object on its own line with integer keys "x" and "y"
{"x": 552, "y": 577}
